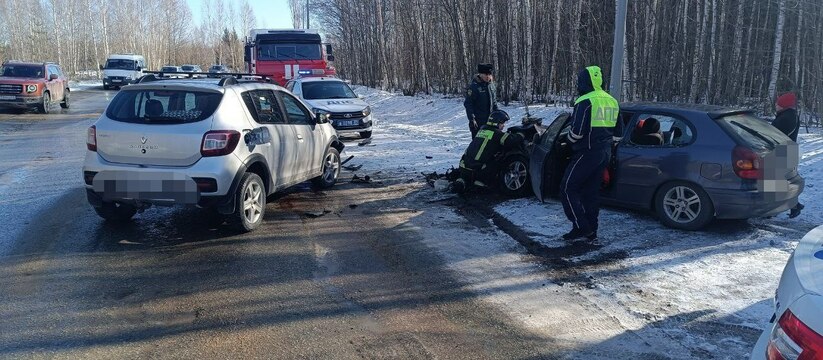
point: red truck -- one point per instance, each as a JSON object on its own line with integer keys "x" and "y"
{"x": 287, "y": 54}
{"x": 29, "y": 85}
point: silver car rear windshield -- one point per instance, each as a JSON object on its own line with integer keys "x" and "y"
{"x": 162, "y": 107}
{"x": 754, "y": 132}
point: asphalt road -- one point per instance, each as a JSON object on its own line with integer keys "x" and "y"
{"x": 357, "y": 282}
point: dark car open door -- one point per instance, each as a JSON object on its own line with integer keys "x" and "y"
{"x": 541, "y": 166}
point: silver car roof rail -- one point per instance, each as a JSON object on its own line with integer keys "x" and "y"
{"x": 236, "y": 78}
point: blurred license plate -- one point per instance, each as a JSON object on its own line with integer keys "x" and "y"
{"x": 7, "y": 97}
{"x": 115, "y": 80}
{"x": 347, "y": 123}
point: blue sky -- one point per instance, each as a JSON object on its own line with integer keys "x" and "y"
{"x": 273, "y": 14}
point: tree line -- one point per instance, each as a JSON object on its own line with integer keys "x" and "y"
{"x": 80, "y": 34}
{"x": 740, "y": 52}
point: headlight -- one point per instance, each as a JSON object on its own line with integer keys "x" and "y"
{"x": 31, "y": 88}
{"x": 319, "y": 111}
{"x": 367, "y": 111}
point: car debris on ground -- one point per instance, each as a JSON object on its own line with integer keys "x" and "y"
{"x": 317, "y": 214}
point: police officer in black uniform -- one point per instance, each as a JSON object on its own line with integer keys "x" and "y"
{"x": 480, "y": 97}
{"x": 479, "y": 163}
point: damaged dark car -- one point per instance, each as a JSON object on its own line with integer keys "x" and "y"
{"x": 688, "y": 164}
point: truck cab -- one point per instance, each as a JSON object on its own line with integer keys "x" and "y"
{"x": 285, "y": 54}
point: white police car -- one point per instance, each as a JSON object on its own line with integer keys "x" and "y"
{"x": 350, "y": 115}
{"x": 796, "y": 329}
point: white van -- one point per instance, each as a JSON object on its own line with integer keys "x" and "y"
{"x": 122, "y": 69}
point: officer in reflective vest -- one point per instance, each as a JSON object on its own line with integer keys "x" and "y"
{"x": 594, "y": 129}
{"x": 479, "y": 166}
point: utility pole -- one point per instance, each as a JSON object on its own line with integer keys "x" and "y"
{"x": 307, "y": 14}
{"x": 616, "y": 83}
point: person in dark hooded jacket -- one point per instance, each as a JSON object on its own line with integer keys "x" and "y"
{"x": 594, "y": 129}
{"x": 480, "y": 98}
{"x": 788, "y": 122}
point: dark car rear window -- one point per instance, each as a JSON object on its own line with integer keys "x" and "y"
{"x": 162, "y": 107}
{"x": 754, "y": 132}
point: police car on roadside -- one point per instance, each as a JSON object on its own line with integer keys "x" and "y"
{"x": 350, "y": 115}
{"x": 796, "y": 328}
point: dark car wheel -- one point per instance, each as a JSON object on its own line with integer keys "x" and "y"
{"x": 251, "y": 203}
{"x": 514, "y": 176}
{"x": 365, "y": 134}
{"x": 684, "y": 206}
{"x": 115, "y": 211}
{"x": 44, "y": 107}
{"x": 105, "y": 87}
{"x": 65, "y": 104}
{"x": 331, "y": 169}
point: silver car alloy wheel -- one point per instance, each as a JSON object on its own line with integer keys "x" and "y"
{"x": 682, "y": 204}
{"x": 252, "y": 202}
{"x": 515, "y": 178}
{"x": 331, "y": 167}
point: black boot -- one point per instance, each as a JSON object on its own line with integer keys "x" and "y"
{"x": 796, "y": 211}
{"x": 578, "y": 235}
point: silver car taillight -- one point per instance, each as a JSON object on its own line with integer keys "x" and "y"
{"x": 219, "y": 142}
{"x": 91, "y": 141}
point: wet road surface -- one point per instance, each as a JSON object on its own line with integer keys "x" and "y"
{"x": 354, "y": 283}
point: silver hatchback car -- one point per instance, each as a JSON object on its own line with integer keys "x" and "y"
{"x": 212, "y": 143}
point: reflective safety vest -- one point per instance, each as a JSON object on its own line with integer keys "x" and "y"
{"x": 604, "y": 111}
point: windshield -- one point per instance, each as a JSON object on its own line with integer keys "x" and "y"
{"x": 188, "y": 68}
{"x": 327, "y": 90}
{"x": 169, "y": 68}
{"x": 24, "y": 71}
{"x": 289, "y": 52}
{"x": 120, "y": 64}
{"x": 217, "y": 67}
{"x": 162, "y": 107}
{"x": 754, "y": 132}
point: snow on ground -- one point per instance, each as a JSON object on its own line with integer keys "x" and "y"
{"x": 726, "y": 274}
{"x": 410, "y": 129}
{"x": 692, "y": 293}
{"x": 84, "y": 85}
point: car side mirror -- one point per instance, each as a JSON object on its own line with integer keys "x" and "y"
{"x": 139, "y": 68}
{"x": 101, "y": 66}
{"x": 330, "y": 57}
{"x": 328, "y": 49}
{"x": 52, "y": 77}
{"x": 361, "y": 97}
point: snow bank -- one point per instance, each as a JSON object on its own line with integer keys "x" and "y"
{"x": 85, "y": 85}
{"x": 421, "y": 133}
